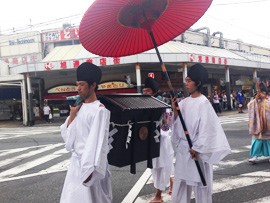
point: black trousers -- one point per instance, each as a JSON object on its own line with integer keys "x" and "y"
{"x": 217, "y": 107}
{"x": 46, "y": 118}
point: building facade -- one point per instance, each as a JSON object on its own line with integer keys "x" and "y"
{"x": 47, "y": 62}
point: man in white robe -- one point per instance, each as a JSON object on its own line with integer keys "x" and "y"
{"x": 85, "y": 133}
{"x": 163, "y": 165}
{"x": 209, "y": 141}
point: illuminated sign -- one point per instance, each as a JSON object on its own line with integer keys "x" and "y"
{"x": 102, "y": 86}
{"x": 112, "y": 85}
{"x": 63, "y": 89}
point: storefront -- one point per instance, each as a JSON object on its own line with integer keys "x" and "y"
{"x": 56, "y": 97}
{"x": 10, "y": 103}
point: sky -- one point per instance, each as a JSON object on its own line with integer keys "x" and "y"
{"x": 244, "y": 20}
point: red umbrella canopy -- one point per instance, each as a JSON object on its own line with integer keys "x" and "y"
{"x": 114, "y": 28}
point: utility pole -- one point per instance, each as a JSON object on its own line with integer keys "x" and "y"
{"x": 30, "y": 100}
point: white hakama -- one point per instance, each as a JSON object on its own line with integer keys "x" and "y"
{"x": 208, "y": 139}
{"x": 87, "y": 138}
{"x": 163, "y": 165}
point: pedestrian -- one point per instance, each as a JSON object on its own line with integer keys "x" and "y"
{"x": 259, "y": 128}
{"x": 162, "y": 170}
{"x": 86, "y": 133}
{"x": 224, "y": 100}
{"x": 46, "y": 112}
{"x": 216, "y": 102}
{"x": 232, "y": 98}
{"x": 220, "y": 96}
{"x": 239, "y": 98}
{"x": 209, "y": 141}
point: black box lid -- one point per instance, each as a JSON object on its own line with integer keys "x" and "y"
{"x": 134, "y": 101}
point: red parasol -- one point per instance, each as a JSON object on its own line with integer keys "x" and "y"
{"x": 115, "y": 28}
{"x": 126, "y": 27}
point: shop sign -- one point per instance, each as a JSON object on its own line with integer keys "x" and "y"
{"x": 89, "y": 60}
{"x": 61, "y": 35}
{"x": 63, "y": 64}
{"x": 239, "y": 82}
{"x": 76, "y": 63}
{"x": 48, "y": 66}
{"x": 112, "y": 85}
{"x": 248, "y": 82}
{"x": 63, "y": 89}
{"x": 116, "y": 60}
{"x": 102, "y": 61}
{"x": 245, "y": 87}
{"x": 21, "y": 41}
{"x": 151, "y": 75}
{"x": 21, "y": 59}
{"x": 207, "y": 59}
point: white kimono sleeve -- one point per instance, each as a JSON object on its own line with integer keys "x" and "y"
{"x": 67, "y": 135}
{"x": 94, "y": 156}
{"x": 211, "y": 143}
{"x": 177, "y": 128}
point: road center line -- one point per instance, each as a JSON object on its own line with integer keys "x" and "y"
{"x": 133, "y": 193}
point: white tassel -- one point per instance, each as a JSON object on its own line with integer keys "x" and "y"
{"x": 111, "y": 133}
{"x": 129, "y": 134}
{"x": 156, "y": 137}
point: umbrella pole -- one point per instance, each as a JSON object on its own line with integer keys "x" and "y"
{"x": 167, "y": 78}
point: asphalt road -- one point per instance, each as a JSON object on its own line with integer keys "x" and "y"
{"x": 33, "y": 167}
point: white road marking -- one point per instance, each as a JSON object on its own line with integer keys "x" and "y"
{"x": 225, "y": 184}
{"x": 29, "y": 175}
{"x": 241, "y": 180}
{"x": 218, "y": 185}
{"x": 10, "y": 151}
{"x": 62, "y": 166}
{"x": 6, "y": 152}
{"x": 233, "y": 119}
{"x": 23, "y": 167}
{"x": 11, "y": 135}
{"x": 27, "y": 155}
{"x": 133, "y": 193}
{"x": 229, "y": 122}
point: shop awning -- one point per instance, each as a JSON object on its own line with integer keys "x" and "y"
{"x": 70, "y": 57}
{"x": 171, "y": 52}
{"x": 77, "y": 52}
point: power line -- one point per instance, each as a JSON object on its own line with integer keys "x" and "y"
{"x": 9, "y": 31}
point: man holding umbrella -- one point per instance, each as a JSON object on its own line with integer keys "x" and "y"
{"x": 162, "y": 165}
{"x": 209, "y": 141}
{"x": 136, "y": 26}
